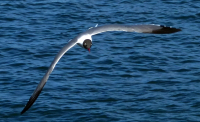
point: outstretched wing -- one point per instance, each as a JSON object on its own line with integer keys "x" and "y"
{"x": 40, "y": 86}
{"x": 155, "y": 29}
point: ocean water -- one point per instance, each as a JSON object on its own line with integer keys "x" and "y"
{"x": 127, "y": 77}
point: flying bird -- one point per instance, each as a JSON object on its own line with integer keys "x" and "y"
{"x": 85, "y": 40}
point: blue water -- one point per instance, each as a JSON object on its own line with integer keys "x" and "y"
{"x": 127, "y": 77}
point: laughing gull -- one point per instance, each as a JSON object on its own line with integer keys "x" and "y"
{"x": 85, "y": 40}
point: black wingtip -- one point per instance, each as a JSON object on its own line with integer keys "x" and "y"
{"x": 31, "y": 101}
{"x": 166, "y": 30}
{"x": 24, "y": 110}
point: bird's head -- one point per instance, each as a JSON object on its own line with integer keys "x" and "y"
{"x": 87, "y": 43}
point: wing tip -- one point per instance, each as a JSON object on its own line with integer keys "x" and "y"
{"x": 31, "y": 101}
{"x": 166, "y": 30}
{"x": 23, "y": 111}
{"x": 28, "y": 105}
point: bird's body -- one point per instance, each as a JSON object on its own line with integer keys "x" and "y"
{"x": 85, "y": 40}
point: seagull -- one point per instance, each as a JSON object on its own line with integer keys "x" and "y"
{"x": 84, "y": 40}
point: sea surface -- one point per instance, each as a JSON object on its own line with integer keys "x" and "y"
{"x": 126, "y": 77}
